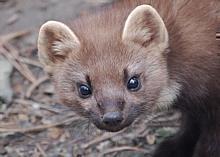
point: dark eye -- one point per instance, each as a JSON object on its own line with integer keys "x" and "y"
{"x": 84, "y": 91}
{"x": 134, "y": 84}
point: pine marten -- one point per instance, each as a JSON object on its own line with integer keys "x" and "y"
{"x": 135, "y": 57}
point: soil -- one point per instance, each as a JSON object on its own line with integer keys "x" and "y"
{"x": 34, "y": 124}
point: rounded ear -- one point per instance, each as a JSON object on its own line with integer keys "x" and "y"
{"x": 145, "y": 26}
{"x": 55, "y": 42}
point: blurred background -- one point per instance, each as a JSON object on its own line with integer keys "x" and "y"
{"x": 32, "y": 123}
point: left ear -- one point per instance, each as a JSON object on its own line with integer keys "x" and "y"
{"x": 144, "y": 26}
{"x": 56, "y": 42}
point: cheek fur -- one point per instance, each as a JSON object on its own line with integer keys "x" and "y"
{"x": 88, "y": 104}
{"x": 168, "y": 95}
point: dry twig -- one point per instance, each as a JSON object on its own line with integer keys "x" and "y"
{"x": 42, "y": 106}
{"x": 6, "y": 38}
{"x": 123, "y": 148}
{"x": 104, "y": 137}
{"x": 30, "y": 62}
{"x": 37, "y": 128}
{"x": 42, "y": 152}
{"x": 12, "y": 57}
{"x": 35, "y": 85}
{"x": 12, "y": 54}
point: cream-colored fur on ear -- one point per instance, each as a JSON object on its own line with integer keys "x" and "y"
{"x": 55, "y": 42}
{"x": 143, "y": 24}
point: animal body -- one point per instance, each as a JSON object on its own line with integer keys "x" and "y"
{"x": 135, "y": 57}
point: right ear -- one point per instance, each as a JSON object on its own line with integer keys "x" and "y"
{"x": 145, "y": 26}
{"x": 55, "y": 42}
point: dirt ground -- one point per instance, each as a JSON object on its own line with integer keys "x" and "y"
{"x": 33, "y": 123}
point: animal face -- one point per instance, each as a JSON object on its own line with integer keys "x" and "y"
{"x": 114, "y": 80}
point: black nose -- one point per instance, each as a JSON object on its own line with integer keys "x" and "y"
{"x": 112, "y": 118}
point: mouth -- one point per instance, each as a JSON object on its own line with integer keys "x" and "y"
{"x": 115, "y": 128}
{"x": 112, "y": 128}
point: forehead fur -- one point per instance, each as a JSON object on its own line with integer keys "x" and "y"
{"x": 107, "y": 61}
{"x": 102, "y": 47}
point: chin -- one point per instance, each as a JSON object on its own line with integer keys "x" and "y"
{"x": 111, "y": 129}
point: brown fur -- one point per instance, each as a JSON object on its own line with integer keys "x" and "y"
{"x": 188, "y": 70}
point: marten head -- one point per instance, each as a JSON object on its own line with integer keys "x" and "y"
{"x": 110, "y": 79}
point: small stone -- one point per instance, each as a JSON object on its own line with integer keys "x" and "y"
{"x": 23, "y": 117}
{"x": 55, "y": 133}
{"x": 33, "y": 119}
{"x": 63, "y": 138}
{"x": 36, "y": 106}
{"x": 151, "y": 139}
